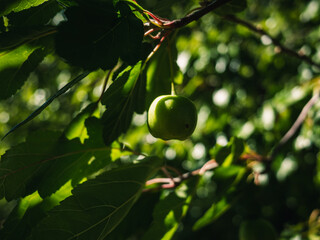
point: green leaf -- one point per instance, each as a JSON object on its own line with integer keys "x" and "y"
{"x": 135, "y": 223}
{"x": 35, "y": 16}
{"x": 19, "y": 36}
{"x": 20, "y": 166}
{"x": 45, "y": 162}
{"x": 170, "y": 210}
{"x": 120, "y": 100}
{"x": 226, "y": 179}
{"x": 159, "y": 76}
{"x": 213, "y": 213}
{"x": 47, "y": 103}
{"x": 131, "y": 35}
{"x": 232, "y": 7}
{"x": 72, "y": 161}
{"x": 29, "y": 211}
{"x": 76, "y": 127}
{"x": 165, "y": 7}
{"x": 16, "y": 65}
{"x": 94, "y": 35}
{"x": 94, "y": 128}
{"x": 68, "y": 3}
{"x": 7, "y": 6}
{"x": 226, "y": 155}
{"x": 99, "y": 205}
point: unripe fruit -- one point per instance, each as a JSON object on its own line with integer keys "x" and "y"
{"x": 258, "y": 229}
{"x": 172, "y": 117}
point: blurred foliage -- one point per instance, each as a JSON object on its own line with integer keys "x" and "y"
{"x": 247, "y": 94}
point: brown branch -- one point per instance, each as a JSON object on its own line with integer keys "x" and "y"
{"x": 195, "y": 15}
{"x": 171, "y": 182}
{"x": 294, "y": 128}
{"x": 275, "y": 42}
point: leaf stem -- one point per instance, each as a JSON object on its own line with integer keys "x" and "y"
{"x": 173, "y": 92}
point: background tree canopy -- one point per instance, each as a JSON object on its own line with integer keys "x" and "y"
{"x": 77, "y": 159}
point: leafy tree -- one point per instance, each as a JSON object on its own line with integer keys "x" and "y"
{"x": 78, "y": 161}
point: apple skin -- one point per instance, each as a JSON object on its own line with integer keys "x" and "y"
{"x": 172, "y": 117}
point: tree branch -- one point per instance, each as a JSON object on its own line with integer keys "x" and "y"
{"x": 171, "y": 182}
{"x": 294, "y": 128}
{"x": 275, "y": 42}
{"x": 195, "y": 15}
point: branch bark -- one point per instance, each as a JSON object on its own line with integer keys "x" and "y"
{"x": 178, "y": 23}
{"x": 275, "y": 42}
{"x": 294, "y": 128}
{"x": 171, "y": 182}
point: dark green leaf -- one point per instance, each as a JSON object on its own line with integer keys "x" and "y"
{"x": 94, "y": 36}
{"x": 35, "y": 16}
{"x": 2, "y": 25}
{"x": 164, "y": 7}
{"x": 99, "y": 205}
{"x": 28, "y": 212}
{"x": 232, "y": 7}
{"x": 7, "y": 6}
{"x": 121, "y": 102}
{"x": 131, "y": 35}
{"x": 68, "y": 3}
{"x": 226, "y": 179}
{"x": 214, "y": 212}
{"x": 43, "y": 106}
{"x": 76, "y": 127}
{"x": 72, "y": 161}
{"x": 19, "y": 36}
{"x": 45, "y": 162}
{"x": 16, "y": 65}
{"x": 159, "y": 76}
{"x": 135, "y": 224}
{"x": 226, "y": 155}
{"x": 94, "y": 128}
{"x": 20, "y": 166}
{"x": 170, "y": 210}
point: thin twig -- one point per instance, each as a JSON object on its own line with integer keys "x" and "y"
{"x": 275, "y": 42}
{"x": 294, "y": 128}
{"x": 174, "y": 182}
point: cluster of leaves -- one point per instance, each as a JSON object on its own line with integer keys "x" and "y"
{"x": 88, "y": 178}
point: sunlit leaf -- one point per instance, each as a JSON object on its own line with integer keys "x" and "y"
{"x": 36, "y": 163}
{"x": 226, "y": 179}
{"x": 170, "y": 210}
{"x": 16, "y": 66}
{"x": 226, "y": 155}
{"x": 214, "y": 212}
{"x": 47, "y": 103}
{"x": 8, "y": 6}
{"x": 29, "y": 211}
{"x": 98, "y": 205}
{"x": 120, "y": 101}
{"x": 35, "y": 16}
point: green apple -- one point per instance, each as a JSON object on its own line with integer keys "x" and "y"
{"x": 172, "y": 117}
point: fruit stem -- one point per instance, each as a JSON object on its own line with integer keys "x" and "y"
{"x": 173, "y": 92}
